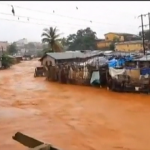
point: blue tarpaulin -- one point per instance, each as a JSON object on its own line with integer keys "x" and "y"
{"x": 145, "y": 71}
{"x": 119, "y": 62}
{"x": 128, "y": 58}
{"x": 112, "y": 63}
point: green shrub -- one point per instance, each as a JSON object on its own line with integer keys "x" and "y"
{"x": 7, "y": 61}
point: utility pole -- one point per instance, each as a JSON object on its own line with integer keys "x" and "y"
{"x": 149, "y": 30}
{"x": 143, "y": 34}
{"x": 149, "y": 21}
{"x": 148, "y": 14}
{"x": 2, "y": 50}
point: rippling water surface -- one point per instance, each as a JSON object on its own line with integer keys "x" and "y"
{"x": 70, "y": 117}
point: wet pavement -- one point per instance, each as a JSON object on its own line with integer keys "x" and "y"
{"x": 70, "y": 117}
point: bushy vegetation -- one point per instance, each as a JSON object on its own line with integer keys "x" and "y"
{"x": 12, "y": 49}
{"x": 51, "y": 37}
{"x": 83, "y": 39}
{"x": 7, "y": 61}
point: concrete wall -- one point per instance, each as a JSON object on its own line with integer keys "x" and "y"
{"x": 103, "y": 44}
{"x": 111, "y": 36}
{"x": 128, "y": 47}
{"x": 48, "y": 60}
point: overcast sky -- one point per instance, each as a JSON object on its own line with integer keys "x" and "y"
{"x": 105, "y": 16}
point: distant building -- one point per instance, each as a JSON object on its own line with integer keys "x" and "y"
{"x": 37, "y": 45}
{"x": 102, "y": 44}
{"x": 3, "y": 45}
{"x": 130, "y": 46}
{"x": 111, "y": 36}
{"x": 21, "y": 42}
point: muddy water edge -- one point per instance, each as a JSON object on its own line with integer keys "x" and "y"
{"x": 70, "y": 117}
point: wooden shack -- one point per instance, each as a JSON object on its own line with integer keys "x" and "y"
{"x": 66, "y": 57}
{"x": 18, "y": 59}
{"x": 27, "y": 57}
{"x": 57, "y": 58}
{"x": 0, "y": 60}
{"x": 62, "y": 63}
{"x": 143, "y": 64}
{"x": 136, "y": 77}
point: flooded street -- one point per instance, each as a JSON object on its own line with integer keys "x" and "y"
{"x": 70, "y": 117}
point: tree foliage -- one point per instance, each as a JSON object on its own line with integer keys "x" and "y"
{"x": 30, "y": 45}
{"x": 44, "y": 51}
{"x": 12, "y": 49}
{"x": 146, "y": 34}
{"x": 84, "y": 39}
{"x": 7, "y": 61}
{"x": 64, "y": 44}
{"x": 112, "y": 45}
{"x": 51, "y": 37}
{"x": 64, "y": 41}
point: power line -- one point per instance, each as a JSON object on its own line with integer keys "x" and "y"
{"x": 41, "y": 24}
{"x": 28, "y": 22}
{"x": 111, "y": 14}
{"x": 28, "y": 18}
{"x": 148, "y": 14}
{"x": 90, "y": 21}
{"x": 47, "y": 12}
{"x": 19, "y": 17}
{"x": 142, "y": 26}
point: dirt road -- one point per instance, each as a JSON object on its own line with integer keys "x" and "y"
{"x": 70, "y": 117}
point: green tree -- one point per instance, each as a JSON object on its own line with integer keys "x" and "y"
{"x": 51, "y": 37}
{"x": 7, "y": 61}
{"x": 64, "y": 43}
{"x": 12, "y": 49}
{"x": 84, "y": 39}
{"x": 30, "y": 45}
{"x": 46, "y": 50}
{"x": 146, "y": 33}
{"x": 112, "y": 45}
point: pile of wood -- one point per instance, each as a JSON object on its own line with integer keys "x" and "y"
{"x": 70, "y": 73}
{"x": 52, "y": 73}
{"x": 132, "y": 84}
{"x": 78, "y": 76}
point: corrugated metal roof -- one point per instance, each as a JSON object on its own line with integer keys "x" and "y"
{"x": 10, "y": 56}
{"x": 120, "y": 33}
{"x": 144, "y": 58}
{"x": 63, "y": 55}
{"x": 72, "y": 55}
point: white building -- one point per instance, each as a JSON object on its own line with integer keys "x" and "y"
{"x": 21, "y": 42}
{"x": 3, "y": 45}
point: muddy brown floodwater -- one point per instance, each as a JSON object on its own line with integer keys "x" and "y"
{"x": 70, "y": 117}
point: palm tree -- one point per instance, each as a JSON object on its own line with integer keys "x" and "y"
{"x": 51, "y": 37}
